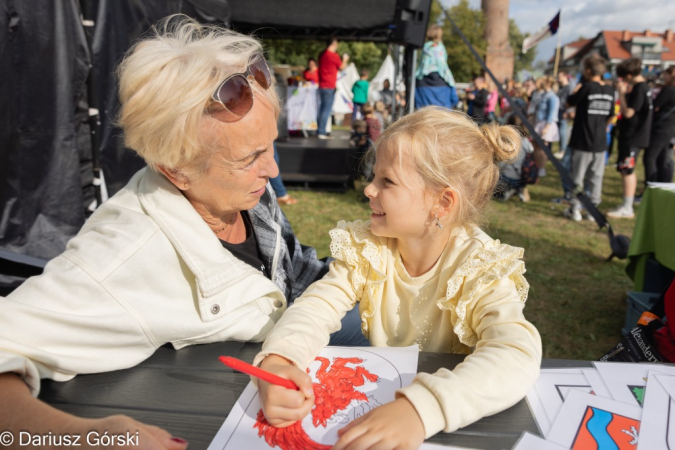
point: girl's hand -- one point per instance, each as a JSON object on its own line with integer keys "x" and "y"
{"x": 282, "y": 406}
{"x": 393, "y": 425}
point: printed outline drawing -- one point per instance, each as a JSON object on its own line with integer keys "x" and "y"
{"x": 638, "y": 392}
{"x": 334, "y": 392}
{"x": 571, "y": 386}
{"x": 602, "y": 434}
{"x": 318, "y": 446}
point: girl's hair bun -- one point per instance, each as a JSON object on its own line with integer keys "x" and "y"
{"x": 504, "y": 140}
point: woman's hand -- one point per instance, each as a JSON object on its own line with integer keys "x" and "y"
{"x": 283, "y": 407}
{"x": 394, "y": 425}
{"x": 123, "y": 432}
{"x": 21, "y": 412}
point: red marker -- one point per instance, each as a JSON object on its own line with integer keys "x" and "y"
{"x": 257, "y": 372}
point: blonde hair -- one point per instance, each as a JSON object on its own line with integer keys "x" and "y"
{"x": 435, "y": 33}
{"x": 166, "y": 82}
{"x": 545, "y": 81}
{"x": 448, "y": 149}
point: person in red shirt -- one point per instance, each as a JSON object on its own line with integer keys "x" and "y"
{"x": 312, "y": 72}
{"x": 329, "y": 65}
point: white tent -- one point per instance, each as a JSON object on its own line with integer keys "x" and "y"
{"x": 343, "y": 90}
{"x": 386, "y": 72}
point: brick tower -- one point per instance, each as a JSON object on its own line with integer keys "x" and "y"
{"x": 499, "y": 57}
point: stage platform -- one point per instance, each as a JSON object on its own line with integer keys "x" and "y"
{"x": 318, "y": 164}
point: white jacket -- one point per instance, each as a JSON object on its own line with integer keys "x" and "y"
{"x": 145, "y": 270}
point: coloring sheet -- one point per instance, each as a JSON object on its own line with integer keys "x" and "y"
{"x": 658, "y": 416}
{"x": 348, "y": 382}
{"x": 597, "y": 384}
{"x": 538, "y": 411}
{"x": 552, "y": 387}
{"x": 555, "y": 386}
{"x": 590, "y": 422}
{"x": 529, "y": 441}
{"x": 626, "y": 381}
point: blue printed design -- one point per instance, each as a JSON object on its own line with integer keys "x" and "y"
{"x": 597, "y": 426}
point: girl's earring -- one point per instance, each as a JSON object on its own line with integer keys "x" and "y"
{"x": 438, "y": 222}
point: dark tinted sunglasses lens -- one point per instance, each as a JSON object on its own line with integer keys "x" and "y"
{"x": 236, "y": 95}
{"x": 261, "y": 73}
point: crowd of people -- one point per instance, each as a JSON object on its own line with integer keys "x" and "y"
{"x": 586, "y": 115}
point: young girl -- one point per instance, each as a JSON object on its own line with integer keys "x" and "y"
{"x": 546, "y": 115}
{"x": 374, "y": 124}
{"x": 424, "y": 274}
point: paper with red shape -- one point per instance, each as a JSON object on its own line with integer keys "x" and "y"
{"x": 348, "y": 382}
{"x": 336, "y": 387}
{"x": 334, "y": 392}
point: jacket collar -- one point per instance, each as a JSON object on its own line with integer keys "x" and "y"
{"x": 214, "y": 267}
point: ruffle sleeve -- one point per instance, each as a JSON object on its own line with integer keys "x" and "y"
{"x": 355, "y": 245}
{"x": 494, "y": 261}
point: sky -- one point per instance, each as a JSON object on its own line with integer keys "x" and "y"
{"x": 586, "y": 18}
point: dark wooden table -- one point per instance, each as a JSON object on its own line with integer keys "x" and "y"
{"x": 189, "y": 393}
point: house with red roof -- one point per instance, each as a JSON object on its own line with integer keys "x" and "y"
{"x": 657, "y": 50}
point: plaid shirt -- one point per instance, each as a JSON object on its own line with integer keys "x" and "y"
{"x": 293, "y": 266}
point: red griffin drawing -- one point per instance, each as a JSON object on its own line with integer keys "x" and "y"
{"x": 334, "y": 392}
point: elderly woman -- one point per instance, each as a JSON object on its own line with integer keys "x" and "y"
{"x": 193, "y": 250}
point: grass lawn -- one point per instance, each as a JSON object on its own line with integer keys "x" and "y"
{"x": 577, "y": 301}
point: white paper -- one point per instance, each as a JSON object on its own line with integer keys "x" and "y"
{"x": 531, "y": 442}
{"x": 538, "y": 411}
{"x": 626, "y": 381}
{"x": 589, "y": 421}
{"x": 655, "y": 184}
{"x": 595, "y": 379}
{"x": 550, "y": 390}
{"x": 554, "y": 387}
{"x": 362, "y": 379}
{"x": 658, "y": 416}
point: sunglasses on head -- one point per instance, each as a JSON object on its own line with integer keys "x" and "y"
{"x": 235, "y": 93}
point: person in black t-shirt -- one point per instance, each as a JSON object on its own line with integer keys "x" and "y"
{"x": 594, "y": 102}
{"x": 479, "y": 97}
{"x": 634, "y": 127}
{"x": 659, "y": 155}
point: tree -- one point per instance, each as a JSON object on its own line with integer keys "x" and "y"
{"x": 516, "y": 38}
{"x": 472, "y": 24}
{"x": 292, "y": 52}
{"x": 365, "y": 55}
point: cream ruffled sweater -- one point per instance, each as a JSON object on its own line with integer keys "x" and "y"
{"x": 470, "y": 302}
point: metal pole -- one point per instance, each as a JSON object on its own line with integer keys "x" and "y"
{"x": 411, "y": 104}
{"x": 557, "y": 49}
{"x": 94, "y": 117}
{"x": 394, "y": 82}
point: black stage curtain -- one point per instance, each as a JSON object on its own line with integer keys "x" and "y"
{"x": 46, "y": 179}
{"x": 45, "y": 146}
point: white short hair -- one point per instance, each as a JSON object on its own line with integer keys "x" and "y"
{"x": 166, "y": 82}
